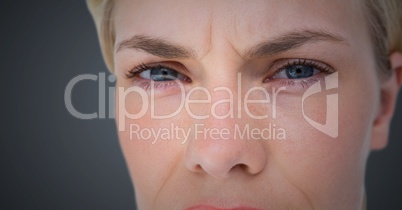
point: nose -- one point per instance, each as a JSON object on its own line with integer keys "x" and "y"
{"x": 221, "y": 147}
{"x": 220, "y": 157}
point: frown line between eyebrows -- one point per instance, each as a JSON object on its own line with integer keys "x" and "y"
{"x": 288, "y": 41}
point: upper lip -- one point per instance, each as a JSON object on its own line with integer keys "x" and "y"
{"x": 208, "y": 207}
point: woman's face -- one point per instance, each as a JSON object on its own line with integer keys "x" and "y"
{"x": 234, "y": 104}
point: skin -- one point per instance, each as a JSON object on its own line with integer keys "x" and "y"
{"x": 306, "y": 170}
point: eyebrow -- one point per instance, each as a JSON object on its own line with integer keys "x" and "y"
{"x": 163, "y": 48}
{"x": 291, "y": 41}
{"x": 155, "y": 46}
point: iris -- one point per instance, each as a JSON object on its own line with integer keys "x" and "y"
{"x": 163, "y": 74}
{"x": 299, "y": 71}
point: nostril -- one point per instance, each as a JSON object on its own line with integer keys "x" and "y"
{"x": 243, "y": 167}
{"x": 198, "y": 168}
{"x": 240, "y": 167}
{"x": 220, "y": 159}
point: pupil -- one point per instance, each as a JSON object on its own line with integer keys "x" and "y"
{"x": 300, "y": 71}
{"x": 163, "y": 74}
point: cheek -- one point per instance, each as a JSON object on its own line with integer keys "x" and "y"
{"x": 150, "y": 161}
{"x": 318, "y": 164}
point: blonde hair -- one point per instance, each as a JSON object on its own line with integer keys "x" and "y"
{"x": 384, "y": 18}
{"x": 101, "y": 11}
{"x": 385, "y": 27}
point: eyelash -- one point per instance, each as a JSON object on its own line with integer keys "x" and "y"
{"x": 146, "y": 85}
{"x": 304, "y": 83}
{"x": 134, "y": 72}
{"x": 302, "y": 61}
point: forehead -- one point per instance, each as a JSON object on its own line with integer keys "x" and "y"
{"x": 243, "y": 22}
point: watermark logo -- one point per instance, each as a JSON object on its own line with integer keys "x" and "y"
{"x": 101, "y": 113}
{"x": 201, "y": 131}
{"x": 244, "y": 99}
{"x": 331, "y": 123}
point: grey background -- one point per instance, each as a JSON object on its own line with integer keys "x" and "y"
{"x": 51, "y": 160}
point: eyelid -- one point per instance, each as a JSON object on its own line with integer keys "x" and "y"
{"x": 136, "y": 70}
{"x": 281, "y": 64}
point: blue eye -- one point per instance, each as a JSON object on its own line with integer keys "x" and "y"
{"x": 161, "y": 74}
{"x": 296, "y": 72}
{"x": 299, "y": 71}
